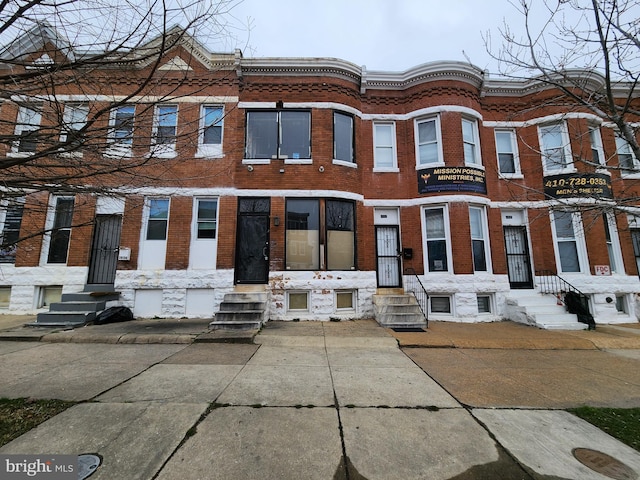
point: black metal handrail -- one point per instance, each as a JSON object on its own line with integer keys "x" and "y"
{"x": 413, "y": 284}
{"x": 573, "y": 299}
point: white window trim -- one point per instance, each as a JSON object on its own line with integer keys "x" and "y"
{"x": 485, "y": 233}
{"x": 21, "y": 122}
{"x": 581, "y": 247}
{"x": 436, "y": 315}
{"x": 633, "y": 173}
{"x": 194, "y": 223}
{"x": 514, "y": 152}
{"x": 447, "y": 233}
{"x": 597, "y": 145}
{"x": 394, "y": 149}
{"x": 210, "y": 150}
{"x": 491, "y": 303}
{"x": 307, "y": 293}
{"x": 566, "y": 145}
{"x": 147, "y": 214}
{"x": 354, "y": 304}
{"x": 476, "y": 142}
{"x": 440, "y": 161}
{"x": 46, "y": 238}
{"x": 163, "y": 150}
{"x": 115, "y": 148}
{"x": 615, "y": 244}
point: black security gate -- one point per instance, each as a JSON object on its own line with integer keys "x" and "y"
{"x": 518, "y": 260}
{"x": 252, "y": 241}
{"x": 104, "y": 250}
{"x": 388, "y": 256}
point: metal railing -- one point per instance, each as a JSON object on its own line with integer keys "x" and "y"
{"x": 412, "y": 284}
{"x": 573, "y": 299}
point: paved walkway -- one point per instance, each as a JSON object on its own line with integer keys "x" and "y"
{"x": 327, "y": 400}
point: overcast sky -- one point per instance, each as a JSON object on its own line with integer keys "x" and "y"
{"x": 390, "y": 35}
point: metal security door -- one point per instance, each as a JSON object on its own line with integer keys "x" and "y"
{"x": 104, "y": 250}
{"x": 388, "y": 257}
{"x": 252, "y": 241}
{"x": 518, "y": 260}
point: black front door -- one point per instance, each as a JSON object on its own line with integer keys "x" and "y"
{"x": 104, "y": 250}
{"x": 518, "y": 260}
{"x": 252, "y": 241}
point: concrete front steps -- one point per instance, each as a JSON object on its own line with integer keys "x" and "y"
{"x": 398, "y": 310}
{"x": 77, "y": 309}
{"x": 540, "y": 310}
{"x": 241, "y": 310}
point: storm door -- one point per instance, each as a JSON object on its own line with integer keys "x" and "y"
{"x": 104, "y": 249}
{"x": 252, "y": 241}
{"x": 388, "y": 256}
{"x": 518, "y": 260}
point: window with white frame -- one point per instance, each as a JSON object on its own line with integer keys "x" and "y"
{"x": 555, "y": 148}
{"x": 5, "y": 297}
{"x": 121, "y": 130}
{"x": 60, "y": 234}
{"x": 479, "y": 245}
{"x": 210, "y": 138}
{"x": 471, "y": 142}
{"x": 484, "y": 303}
{"x": 613, "y": 243}
{"x": 158, "y": 218}
{"x": 507, "y": 151}
{"x": 597, "y": 152}
{"x": 74, "y": 120}
{"x": 384, "y": 141}
{"x": 626, "y": 159}
{"x": 27, "y": 129}
{"x": 165, "y": 130}
{"x": 621, "y": 304}
{"x": 440, "y": 304}
{"x": 283, "y": 134}
{"x": 428, "y": 140}
{"x": 11, "y": 216}
{"x": 343, "y": 137}
{"x": 345, "y": 300}
{"x": 569, "y": 240}
{"x": 436, "y": 239}
{"x": 207, "y": 211}
{"x": 297, "y": 301}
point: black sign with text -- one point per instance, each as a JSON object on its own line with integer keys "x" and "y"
{"x": 452, "y": 179}
{"x": 593, "y": 185}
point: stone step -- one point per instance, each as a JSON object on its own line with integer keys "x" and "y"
{"x": 99, "y": 287}
{"x": 90, "y": 297}
{"x": 235, "y": 325}
{"x": 404, "y": 320}
{"x": 397, "y": 308}
{"x": 242, "y": 297}
{"x": 394, "y": 299}
{"x": 77, "y": 306}
{"x": 63, "y": 319}
{"x": 237, "y": 306}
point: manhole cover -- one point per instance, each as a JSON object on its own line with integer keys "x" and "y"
{"x": 604, "y": 464}
{"x": 87, "y": 464}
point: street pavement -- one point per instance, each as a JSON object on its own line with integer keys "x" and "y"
{"x": 167, "y": 399}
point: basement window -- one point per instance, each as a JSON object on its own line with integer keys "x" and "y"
{"x": 345, "y": 300}
{"x": 5, "y": 296}
{"x": 440, "y": 305}
{"x": 298, "y": 301}
{"x": 48, "y": 295}
{"x": 484, "y": 303}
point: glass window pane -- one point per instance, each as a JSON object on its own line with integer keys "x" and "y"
{"x": 384, "y": 157}
{"x": 440, "y": 304}
{"x": 298, "y": 301}
{"x": 467, "y": 131}
{"x": 484, "y": 304}
{"x": 295, "y": 134}
{"x": 503, "y": 142}
{"x": 157, "y": 230}
{"x": 479, "y": 256}
{"x": 123, "y": 124}
{"x": 507, "y": 163}
{"x": 340, "y": 250}
{"x": 64, "y": 213}
{"x": 568, "y": 256}
{"x": 59, "y": 246}
{"x": 428, "y": 153}
{"x": 475, "y": 221}
{"x": 564, "y": 224}
{"x": 427, "y": 131}
{"x": 159, "y": 208}
{"x": 343, "y": 137}
{"x": 262, "y": 134}
{"x": 437, "y": 253}
{"x": 344, "y": 300}
{"x": 303, "y": 235}
{"x": 435, "y": 223}
{"x": 384, "y": 135}
{"x": 5, "y": 297}
{"x": 469, "y": 153}
{"x": 212, "y": 124}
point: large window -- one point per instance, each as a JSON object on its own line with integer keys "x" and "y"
{"x": 384, "y": 140}
{"x": 343, "y": 137}
{"x": 471, "y": 142}
{"x": 613, "y": 243}
{"x": 507, "y": 150}
{"x": 309, "y": 234}
{"x": 11, "y": 230}
{"x": 74, "y": 120}
{"x": 478, "y": 238}
{"x": 429, "y": 141}
{"x": 626, "y": 158}
{"x": 436, "y": 238}
{"x": 566, "y": 226}
{"x": 303, "y": 235}
{"x": 61, "y": 230}
{"x": 27, "y": 127}
{"x": 282, "y": 134}
{"x": 554, "y": 145}
{"x": 158, "y": 219}
{"x": 122, "y": 118}
{"x": 340, "y": 224}
{"x": 165, "y": 130}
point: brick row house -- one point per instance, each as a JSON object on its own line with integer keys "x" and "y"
{"x": 324, "y": 184}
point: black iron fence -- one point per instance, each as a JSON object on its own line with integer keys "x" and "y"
{"x": 413, "y": 285}
{"x": 573, "y": 299}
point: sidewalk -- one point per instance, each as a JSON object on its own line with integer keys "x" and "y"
{"x": 324, "y": 400}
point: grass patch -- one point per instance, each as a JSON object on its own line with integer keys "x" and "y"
{"x": 621, "y": 423}
{"x": 19, "y": 415}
